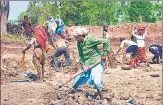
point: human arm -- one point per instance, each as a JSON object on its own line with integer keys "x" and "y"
{"x": 97, "y": 41}
{"x": 134, "y": 30}
{"x": 138, "y": 37}
{"x": 29, "y": 46}
{"x": 81, "y": 58}
{"x": 160, "y": 52}
{"x": 145, "y": 33}
{"x": 121, "y": 46}
{"x": 141, "y": 37}
{"x": 45, "y": 24}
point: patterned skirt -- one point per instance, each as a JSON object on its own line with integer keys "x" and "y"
{"x": 140, "y": 57}
{"x": 38, "y": 58}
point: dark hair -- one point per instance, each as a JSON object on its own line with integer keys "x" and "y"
{"x": 133, "y": 39}
{"x": 25, "y": 16}
{"x": 105, "y": 26}
{"x": 83, "y": 35}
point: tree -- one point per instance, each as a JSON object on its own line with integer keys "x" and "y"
{"x": 157, "y": 10}
{"x": 4, "y": 16}
{"x": 141, "y": 8}
{"x": 21, "y": 16}
{"x": 94, "y": 12}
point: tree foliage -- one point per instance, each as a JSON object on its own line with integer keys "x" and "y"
{"x": 94, "y": 12}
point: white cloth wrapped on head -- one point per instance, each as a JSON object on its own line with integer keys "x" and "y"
{"x": 80, "y": 31}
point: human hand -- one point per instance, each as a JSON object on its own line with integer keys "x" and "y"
{"x": 85, "y": 67}
{"x": 103, "y": 58}
{"x": 23, "y": 51}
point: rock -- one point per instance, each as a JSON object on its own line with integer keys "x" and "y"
{"x": 124, "y": 98}
{"x": 155, "y": 75}
{"x": 12, "y": 74}
{"x": 149, "y": 96}
{"x": 71, "y": 101}
{"x": 14, "y": 29}
{"x": 89, "y": 98}
{"x": 6, "y": 99}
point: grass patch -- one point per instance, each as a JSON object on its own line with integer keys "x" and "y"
{"x": 10, "y": 37}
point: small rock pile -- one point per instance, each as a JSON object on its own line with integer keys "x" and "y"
{"x": 9, "y": 68}
{"x": 83, "y": 96}
{"x": 112, "y": 62}
{"x": 14, "y": 29}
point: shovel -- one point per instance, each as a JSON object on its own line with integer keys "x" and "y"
{"x": 21, "y": 65}
{"x": 78, "y": 73}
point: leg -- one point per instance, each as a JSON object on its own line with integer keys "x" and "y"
{"x": 97, "y": 77}
{"x": 134, "y": 50}
{"x": 124, "y": 56}
{"x": 37, "y": 57}
{"x": 100, "y": 94}
{"x": 154, "y": 52}
{"x": 55, "y": 58}
{"x": 130, "y": 49}
{"x": 50, "y": 38}
{"x": 153, "y": 59}
{"x": 67, "y": 56}
{"x": 42, "y": 71}
{"x": 157, "y": 58}
{"x": 79, "y": 80}
{"x": 160, "y": 53}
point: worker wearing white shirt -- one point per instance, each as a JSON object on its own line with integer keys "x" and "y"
{"x": 140, "y": 38}
{"x": 51, "y": 28}
{"x": 51, "y": 25}
{"x": 140, "y": 35}
{"x": 131, "y": 47}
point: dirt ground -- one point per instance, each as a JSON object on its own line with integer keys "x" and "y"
{"x": 119, "y": 85}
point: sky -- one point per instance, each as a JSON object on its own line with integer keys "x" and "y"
{"x": 16, "y": 7}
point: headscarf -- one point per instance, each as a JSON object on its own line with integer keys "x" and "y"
{"x": 51, "y": 19}
{"x": 140, "y": 28}
{"x": 58, "y": 20}
{"x": 26, "y": 17}
{"x": 40, "y": 35}
{"x": 121, "y": 39}
{"x": 80, "y": 31}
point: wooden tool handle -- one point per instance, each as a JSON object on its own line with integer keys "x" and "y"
{"x": 78, "y": 73}
{"x": 22, "y": 62}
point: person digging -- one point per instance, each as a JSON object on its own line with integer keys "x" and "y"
{"x": 89, "y": 55}
{"x": 131, "y": 48}
{"x": 61, "y": 47}
{"x": 156, "y": 50}
{"x": 39, "y": 41}
{"x": 141, "y": 56}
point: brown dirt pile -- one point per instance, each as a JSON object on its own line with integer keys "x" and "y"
{"x": 115, "y": 31}
{"x": 85, "y": 95}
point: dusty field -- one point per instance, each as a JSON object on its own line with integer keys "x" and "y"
{"x": 120, "y": 84}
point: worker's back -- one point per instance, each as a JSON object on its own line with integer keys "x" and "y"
{"x": 61, "y": 43}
